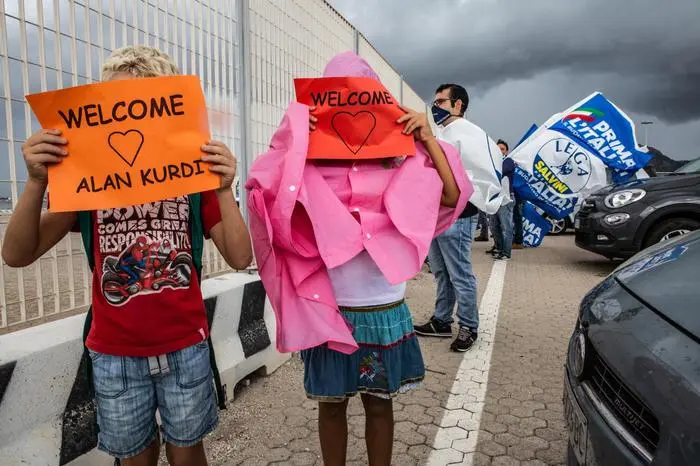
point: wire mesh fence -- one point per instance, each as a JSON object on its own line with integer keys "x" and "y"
{"x": 246, "y": 54}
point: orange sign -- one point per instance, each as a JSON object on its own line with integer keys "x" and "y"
{"x": 356, "y": 119}
{"x": 129, "y": 142}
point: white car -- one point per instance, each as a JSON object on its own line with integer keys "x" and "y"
{"x": 562, "y": 225}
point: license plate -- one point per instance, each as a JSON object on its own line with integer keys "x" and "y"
{"x": 576, "y": 424}
{"x": 577, "y": 223}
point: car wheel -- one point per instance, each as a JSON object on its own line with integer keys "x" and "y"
{"x": 670, "y": 229}
{"x": 558, "y": 226}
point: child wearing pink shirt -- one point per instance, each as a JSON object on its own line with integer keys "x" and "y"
{"x": 336, "y": 242}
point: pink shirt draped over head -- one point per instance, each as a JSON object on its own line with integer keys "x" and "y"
{"x": 306, "y": 218}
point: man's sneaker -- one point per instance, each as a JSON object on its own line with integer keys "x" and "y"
{"x": 433, "y": 328}
{"x": 481, "y": 239}
{"x": 492, "y": 251}
{"x": 465, "y": 339}
{"x": 501, "y": 257}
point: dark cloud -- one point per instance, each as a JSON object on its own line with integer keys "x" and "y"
{"x": 643, "y": 54}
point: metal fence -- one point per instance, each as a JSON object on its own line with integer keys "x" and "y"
{"x": 246, "y": 54}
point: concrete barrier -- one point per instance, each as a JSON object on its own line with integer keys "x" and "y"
{"x": 47, "y": 412}
{"x": 244, "y": 341}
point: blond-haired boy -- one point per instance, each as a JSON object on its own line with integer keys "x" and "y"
{"x": 148, "y": 346}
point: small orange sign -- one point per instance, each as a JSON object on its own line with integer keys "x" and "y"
{"x": 129, "y": 142}
{"x": 356, "y": 119}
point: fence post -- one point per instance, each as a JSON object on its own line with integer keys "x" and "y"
{"x": 356, "y": 40}
{"x": 246, "y": 156}
{"x": 401, "y": 89}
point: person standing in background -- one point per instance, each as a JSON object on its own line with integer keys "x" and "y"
{"x": 502, "y": 221}
{"x": 518, "y": 206}
{"x": 483, "y": 227}
{"x": 450, "y": 253}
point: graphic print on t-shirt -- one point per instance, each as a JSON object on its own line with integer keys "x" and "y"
{"x": 144, "y": 249}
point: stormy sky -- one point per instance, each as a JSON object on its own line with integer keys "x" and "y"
{"x": 523, "y": 61}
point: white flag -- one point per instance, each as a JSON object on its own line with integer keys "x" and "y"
{"x": 556, "y": 173}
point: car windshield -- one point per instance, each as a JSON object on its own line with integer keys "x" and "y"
{"x": 690, "y": 167}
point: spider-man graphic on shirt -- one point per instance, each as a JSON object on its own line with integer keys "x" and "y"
{"x": 145, "y": 267}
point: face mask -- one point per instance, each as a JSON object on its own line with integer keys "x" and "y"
{"x": 440, "y": 114}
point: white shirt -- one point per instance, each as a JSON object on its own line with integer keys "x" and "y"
{"x": 359, "y": 282}
{"x": 482, "y": 160}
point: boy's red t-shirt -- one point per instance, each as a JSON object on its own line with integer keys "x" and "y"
{"x": 146, "y": 298}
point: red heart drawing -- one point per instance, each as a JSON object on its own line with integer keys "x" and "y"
{"x": 354, "y": 129}
{"x": 126, "y": 145}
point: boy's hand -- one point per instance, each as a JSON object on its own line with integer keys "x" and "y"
{"x": 41, "y": 149}
{"x": 312, "y": 119}
{"x": 416, "y": 123}
{"x": 221, "y": 161}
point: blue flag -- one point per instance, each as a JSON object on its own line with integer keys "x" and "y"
{"x": 555, "y": 172}
{"x": 606, "y": 131}
{"x": 529, "y": 132}
{"x": 654, "y": 260}
{"x": 569, "y": 157}
{"x": 535, "y": 227}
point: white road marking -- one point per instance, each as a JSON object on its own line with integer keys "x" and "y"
{"x": 455, "y": 442}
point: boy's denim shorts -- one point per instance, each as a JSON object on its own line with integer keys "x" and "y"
{"x": 128, "y": 396}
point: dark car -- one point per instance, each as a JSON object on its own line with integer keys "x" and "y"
{"x": 621, "y": 220}
{"x": 632, "y": 383}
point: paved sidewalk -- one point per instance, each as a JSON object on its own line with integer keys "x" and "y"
{"x": 499, "y": 403}
{"x": 523, "y": 422}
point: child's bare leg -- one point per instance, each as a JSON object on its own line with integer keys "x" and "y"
{"x": 148, "y": 457}
{"x": 333, "y": 432}
{"x": 379, "y": 429}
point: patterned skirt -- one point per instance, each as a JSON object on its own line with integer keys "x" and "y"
{"x": 388, "y": 362}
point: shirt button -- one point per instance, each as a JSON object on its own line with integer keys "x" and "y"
{"x": 368, "y": 236}
{"x": 356, "y": 209}
{"x": 292, "y": 188}
{"x": 354, "y": 169}
{"x": 316, "y": 296}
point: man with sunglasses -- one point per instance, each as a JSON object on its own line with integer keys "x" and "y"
{"x": 450, "y": 253}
